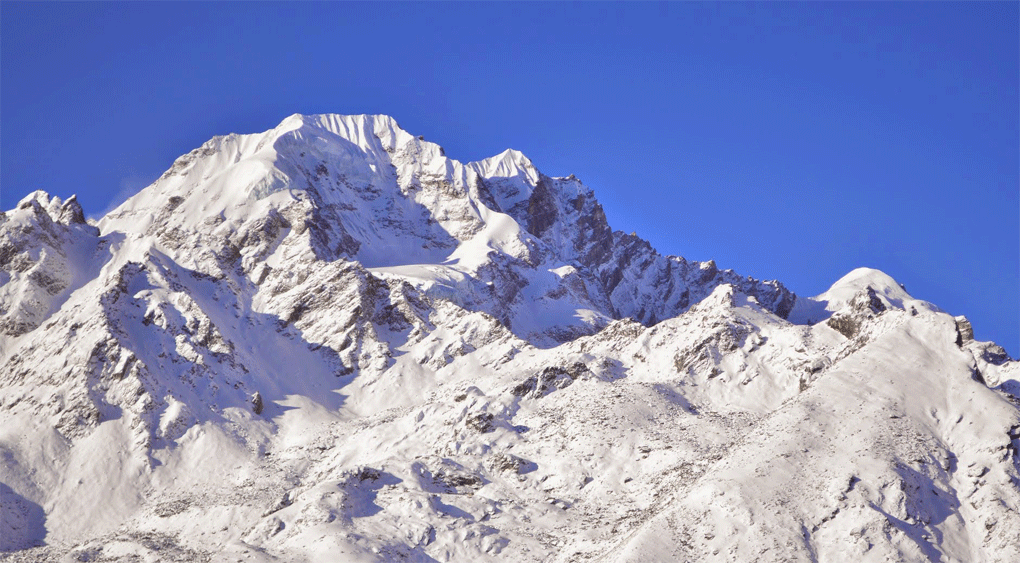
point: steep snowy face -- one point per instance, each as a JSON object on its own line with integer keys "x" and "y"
{"x": 330, "y": 341}
{"x": 354, "y": 187}
{"x": 637, "y": 281}
{"x": 562, "y": 212}
{"x": 318, "y": 189}
{"x": 498, "y": 235}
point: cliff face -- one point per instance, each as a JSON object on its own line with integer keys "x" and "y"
{"x": 331, "y": 341}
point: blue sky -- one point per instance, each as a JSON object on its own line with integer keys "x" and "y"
{"x": 794, "y": 141}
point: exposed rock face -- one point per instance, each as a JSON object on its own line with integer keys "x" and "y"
{"x": 542, "y": 208}
{"x": 964, "y": 331}
{"x": 331, "y": 338}
{"x": 862, "y": 308}
{"x": 548, "y": 380}
{"x": 637, "y": 281}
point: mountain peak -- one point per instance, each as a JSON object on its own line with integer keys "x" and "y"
{"x": 350, "y": 127}
{"x": 511, "y": 165}
{"x": 859, "y": 280}
{"x": 67, "y": 211}
{"x": 858, "y": 284}
{"x": 42, "y": 197}
{"x": 278, "y": 300}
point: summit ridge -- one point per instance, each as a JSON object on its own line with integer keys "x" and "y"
{"x": 331, "y": 341}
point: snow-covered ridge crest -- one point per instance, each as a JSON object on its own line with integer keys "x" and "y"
{"x": 362, "y": 188}
{"x": 331, "y": 341}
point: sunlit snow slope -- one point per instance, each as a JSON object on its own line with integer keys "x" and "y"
{"x": 331, "y": 342}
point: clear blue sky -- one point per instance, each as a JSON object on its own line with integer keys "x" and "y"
{"x": 794, "y": 141}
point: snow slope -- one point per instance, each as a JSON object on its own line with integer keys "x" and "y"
{"x": 329, "y": 341}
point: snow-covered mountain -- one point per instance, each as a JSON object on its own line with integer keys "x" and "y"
{"x": 331, "y": 342}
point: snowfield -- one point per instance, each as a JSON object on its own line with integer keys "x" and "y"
{"x": 331, "y": 342}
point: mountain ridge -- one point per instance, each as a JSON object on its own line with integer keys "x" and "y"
{"x": 560, "y": 212}
{"x": 330, "y": 338}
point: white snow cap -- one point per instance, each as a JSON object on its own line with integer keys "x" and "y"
{"x": 507, "y": 164}
{"x": 841, "y": 292}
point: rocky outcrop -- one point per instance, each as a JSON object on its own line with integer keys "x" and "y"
{"x": 964, "y": 331}
{"x": 864, "y": 306}
{"x": 550, "y": 379}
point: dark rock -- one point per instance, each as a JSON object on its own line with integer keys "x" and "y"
{"x": 256, "y": 403}
{"x": 708, "y": 272}
{"x": 874, "y": 303}
{"x": 995, "y": 355}
{"x": 7, "y": 253}
{"x": 481, "y": 422}
{"x": 507, "y": 462}
{"x": 369, "y": 474}
{"x": 450, "y": 479}
{"x": 172, "y": 508}
{"x": 964, "y": 331}
{"x": 844, "y": 324}
{"x": 458, "y": 480}
{"x": 595, "y": 236}
{"x": 550, "y": 379}
{"x": 524, "y": 388}
{"x": 726, "y": 339}
{"x": 542, "y": 211}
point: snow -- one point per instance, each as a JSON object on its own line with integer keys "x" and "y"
{"x": 838, "y": 432}
{"x": 837, "y": 297}
{"x": 513, "y": 172}
{"x": 463, "y": 362}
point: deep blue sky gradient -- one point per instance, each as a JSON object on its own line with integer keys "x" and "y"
{"x": 794, "y": 141}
